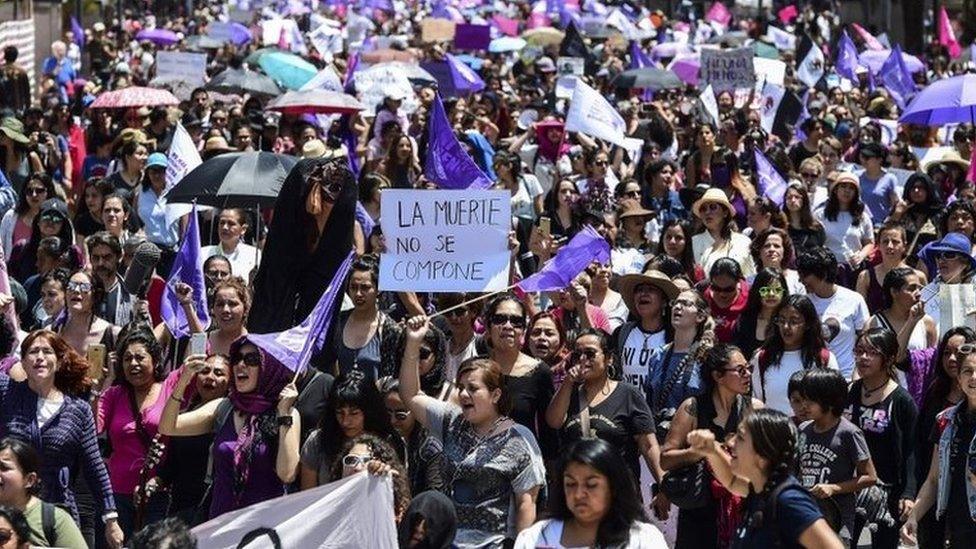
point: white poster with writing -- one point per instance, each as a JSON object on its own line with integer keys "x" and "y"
{"x": 445, "y": 241}
{"x": 728, "y": 69}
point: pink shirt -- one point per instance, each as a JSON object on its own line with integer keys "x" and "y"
{"x": 128, "y": 450}
{"x": 598, "y": 317}
{"x": 22, "y": 231}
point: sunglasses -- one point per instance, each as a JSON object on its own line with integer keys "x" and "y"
{"x": 35, "y": 191}
{"x": 632, "y": 194}
{"x": 601, "y": 163}
{"x": 742, "y": 371}
{"x": 948, "y": 256}
{"x": 425, "y": 353}
{"x": 722, "y": 289}
{"x": 50, "y": 218}
{"x": 398, "y": 415}
{"x": 80, "y": 287}
{"x": 810, "y": 175}
{"x": 588, "y": 354}
{"x": 770, "y": 291}
{"x": 251, "y": 360}
{"x": 966, "y": 349}
{"x": 499, "y": 319}
{"x": 352, "y": 460}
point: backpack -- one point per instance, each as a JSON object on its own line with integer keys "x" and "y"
{"x": 48, "y": 523}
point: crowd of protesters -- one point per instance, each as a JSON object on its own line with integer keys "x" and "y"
{"x": 747, "y": 368}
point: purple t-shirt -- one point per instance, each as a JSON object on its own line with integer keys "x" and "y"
{"x": 262, "y": 482}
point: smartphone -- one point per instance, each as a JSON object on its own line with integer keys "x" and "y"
{"x": 96, "y": 361}
{"x": 198, "y": 343}
{"x": 546, "y": 225}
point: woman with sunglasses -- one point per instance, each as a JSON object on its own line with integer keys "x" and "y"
{"x": 848, "y": 226}
{"x": 758, "y": 464}
{"x": 354, "y": 407}
{"x": 594, "y": 503}
{"x": 257, "y": 422}
{"x": 794, "y": 342}
{"x": 528, "y": 381}
{"x": 81, "y": 327}
{"x": 769, "y": 290}
{"x": 949, "y": 261}
{"x": 727, "y": 293}
{"x": 370, "y": 453}
{"x": 492, "y": 465}
{"x": 18, "y": 222}
{"x": 805, "y": 231}
{"x": 365, "y": 331}
{"x": 948, "y": 485}
{"x": 886, "y": 413}
{"x": 50, "y": 409}
{"x": 721, "y": 404}
{"x": 891, "y": 241}
{"x": 19, "y": 489}
{"x": 424, "y": 455}
{"x": 920, "y": 204}
{"x": 52, "y": 220}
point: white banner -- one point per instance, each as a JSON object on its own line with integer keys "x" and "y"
{"x": 181, "y": 158}
{"x": 772, "y": 70}
{"x": 445, "y": 241}
{"x": 353, "y": 512}
{"x": 591, "y": 114}
{"x": 728, "y": 69}
{"x": 184, "y": 65}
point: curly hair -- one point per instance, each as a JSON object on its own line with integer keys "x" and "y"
{"x": 380, "y": 450}
{"x": 136, "y": 334}
{"x": 236, "y": 284}
{"x": 755, "y": 249}
{"x": 71, "y": 377}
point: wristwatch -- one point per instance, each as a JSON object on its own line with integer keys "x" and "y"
{"x": 285, "y": 421}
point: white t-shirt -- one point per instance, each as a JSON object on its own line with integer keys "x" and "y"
{"x": 454, "y": 361}
{"x": 843, "y": 315}
{"x": 548, "y": 533}
{"x": 844, "y": 238}
{"x": 737, "y": 247}
{"x": 774, "y": 389}
{"x": 242, "y": 261}
{"x": 523, "y": 201}
{"x": 46, "y": 408}
{"x": 636, "y": 352}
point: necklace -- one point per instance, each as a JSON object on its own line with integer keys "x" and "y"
{"x": 868, "y": 392}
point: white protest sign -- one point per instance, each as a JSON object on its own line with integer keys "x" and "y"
{"x": 326, "y": 39}
{"x": 181, "y": 158}
{"x": 185, "y": 65}
{"x": 707, "y": 97}
{"x": 565, "y": 86}
{"x": 374, "y": 83}
{"x": 773, "y": 70}
{"x": 957, "y": 306}
{"x": 570, "y": 65}
{"x": 445, "y": 241}
{"x": 591, "y": 114}
{"x": 728, "y": 69}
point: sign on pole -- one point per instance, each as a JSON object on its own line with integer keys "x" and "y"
{"x": 727, "y": 69}
{"x": 445, "y": 241}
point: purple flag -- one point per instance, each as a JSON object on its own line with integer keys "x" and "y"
{"x": 294, "y": 346}
{"x": 769, "y": 182}
{"x": 446, "y": 162}
{"x": 365, "y": 221}
{"x": 188, "y": 269}
{"x": 638, "y": 59}
{"x": 846, "y": 61}
{"x": 586, "y": 247}
{"x": 896, "y": 77}
{"x": 567, "y": 16}
{"x": 78, "y": 31}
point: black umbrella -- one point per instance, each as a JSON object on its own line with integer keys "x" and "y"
{"x": 203, "y": 42}
{"x": 241, "y": 81}
{"x": 234, "y": 180}
{"x": 651, "y": 78}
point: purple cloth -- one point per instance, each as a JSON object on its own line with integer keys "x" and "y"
{"x": 262, "y": 482}
{"x": 896, "y": 78}
{"x": 447, "y": 163}
{"x": 272, "y": 379}
{"x": 587, "y": 246}
{"x": 188, "y": 269}
{"x": 847, "y": 60}
{"x": 639, "y": 59}
{"x": 769, "y": 182}
{"x": 919, "y": 376}
{"x": 78, "y": 31}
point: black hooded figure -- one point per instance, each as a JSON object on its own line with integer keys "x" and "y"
{"x": 309, "y": 237}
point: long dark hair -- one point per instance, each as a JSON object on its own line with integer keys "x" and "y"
{"x": 807, "y": 221}
{"x": 354, "y": 390}
{"x": 44, "y": 179}
{"x": 380, "y": 450}
{"x": 885, "y": 342}
{"x": 750, "y": 314}
{"x": 27, "y": 459}
{"x": 813, "y": 340}
{"x": 941, "y": 383}
{"x": 687, "y": 258}
{"x": 933, "y": 198}
{"x": 774, "y": 438}
{"x": 18, "y": 523}
{"x": 625, "y": 508}
{"x": 715, "y": 361}
{"x": 832, "y": 208}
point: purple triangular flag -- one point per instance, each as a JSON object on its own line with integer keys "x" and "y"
{"x": 639, "y": 59}
{"x": 896, "y": 77}
{"x": 768, "y": 181}
{"x": 465, "y": 79}
{"x": 586, "y": 247}
{"x": 846, "y": 61}
{"x": 294, "y": 346}
{"x": 188, "y": 269}
{"x": 447, "y": 163}
{"x": 78, "y": 31}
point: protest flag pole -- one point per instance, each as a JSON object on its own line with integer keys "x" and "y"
{"x": 473, "y": 300}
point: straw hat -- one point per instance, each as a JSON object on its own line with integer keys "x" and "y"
{"x": 659, "y": 280}
{"x": 844, "y": 177}
{"x": 717, "y": 196}
{"x": 215, "y": 146}
{"x": 950, "y": 157}
{"x": 316, "y": 148}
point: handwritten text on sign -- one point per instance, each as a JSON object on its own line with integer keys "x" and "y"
{"x": 445, "y": 241}
{"x": 727, "y": 69}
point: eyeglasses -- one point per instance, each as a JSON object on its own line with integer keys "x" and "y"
{"x": 352, "y": 460}
{"x": 425, "y": 353}
{"x": 966, "y": 349}
{"x": 588, "y": 354}
{"x": 398, "y": 415}
{"x": 722, "y": 289}
{"x": 770, "y": 291}
{"x": 790, "y": 322}
{"x": 742, "y": 371}
{"x": 947, "y": 256}
{"x": 251, "y": 360}
{"x": 35, "y": 191}
{"x": 499, "y": 319}
{"x": 862, "y": 350}
{"x": 80, "y": 287}
{"x": 50, "y": 218}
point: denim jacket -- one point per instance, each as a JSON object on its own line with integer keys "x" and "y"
{"x": 946, "y": 420}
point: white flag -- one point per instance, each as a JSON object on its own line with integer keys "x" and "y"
{"x": 326, "y": 79}
{"x": 181, "y": 158}
{"x": 353, "y": 512}
{"x": 708, "y": 100}
{"x": 591, "y": 114}
{"x": 782, "y": 39}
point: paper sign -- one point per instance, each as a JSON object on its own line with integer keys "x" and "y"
{"x": 445, "y": 241}
{"x": 437, "y": 30}
{"x": 472, "y": 37}
{"x": 326, "y": 39}
{"x": 773, "y": 70}
{"x": 728, "y": 69}
{"x": 956, "y": 306}
{"x": 570, "y": 66}
{"x": 187, "y": 66}
{"x": 565, "y": 86}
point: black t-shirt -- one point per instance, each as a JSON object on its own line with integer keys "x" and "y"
{"x": 795, "y": 512}
{"x": 889, "y": 428}
{"x": 960, "y": 528}
{"x": 530, "y": 395}
{"x": 313, "y": 400}
{"x": 617, "y": 420}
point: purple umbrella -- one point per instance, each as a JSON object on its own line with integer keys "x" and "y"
{"x": 454, "y": 78}
{"x": 160, "y": 37}
{"x": 687, "y": 66}
{"x": 233, "y": 32}
{"x": 873, "y": 59}
{"x": 948, "y": 101}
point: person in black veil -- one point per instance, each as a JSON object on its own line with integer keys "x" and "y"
{"x": 310, "y": 236}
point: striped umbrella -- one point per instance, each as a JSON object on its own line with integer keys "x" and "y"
{"x": 134, "y": 96}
